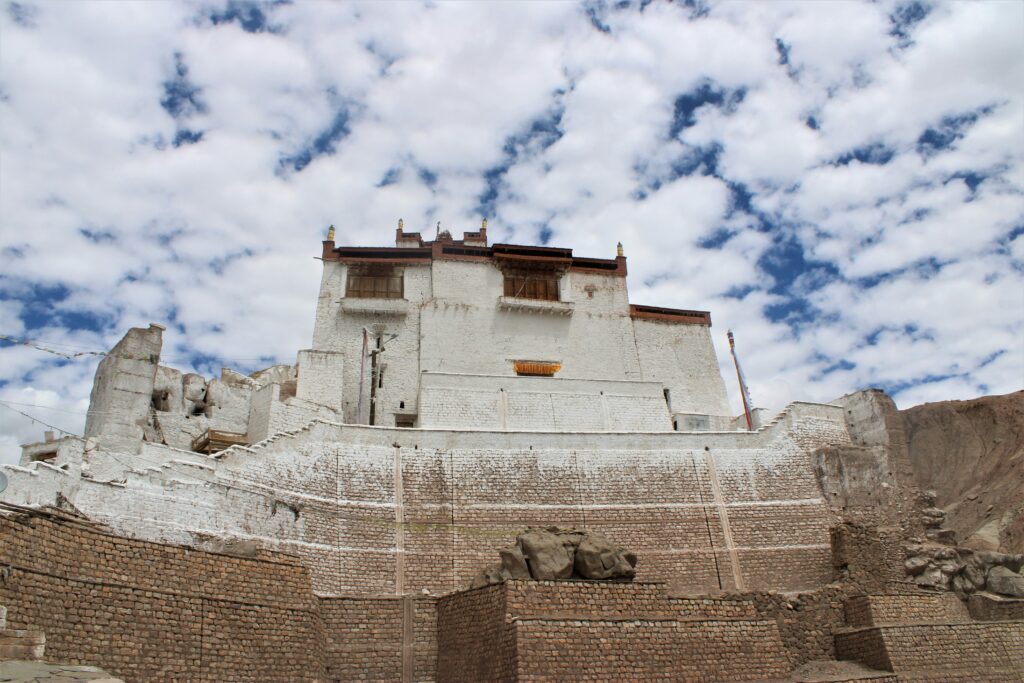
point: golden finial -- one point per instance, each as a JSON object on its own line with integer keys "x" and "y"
{"x": 401, "y": 224}
{"x": 618, "y": 250}
{"x": 330, "y": 234}
{"x": 483, "y": 224}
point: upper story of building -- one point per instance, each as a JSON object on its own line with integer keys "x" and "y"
{"x": 459, "y": 333}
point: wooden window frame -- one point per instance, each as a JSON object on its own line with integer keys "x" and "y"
{"x": 379, "y": 282}
{"x": 538, "y": 285}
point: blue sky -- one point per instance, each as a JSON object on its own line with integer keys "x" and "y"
{"x": 839, "y": 183}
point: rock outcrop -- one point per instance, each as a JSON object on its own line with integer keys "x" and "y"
{"x": 554, "y": 553}
{"x": 965, "y": 571}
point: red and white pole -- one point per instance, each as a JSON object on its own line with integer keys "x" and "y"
{"x": 743, "y": 385}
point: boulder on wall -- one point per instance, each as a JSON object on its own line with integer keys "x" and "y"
{"x": 553, "y": 553}
{"x": 1005, "y": 582}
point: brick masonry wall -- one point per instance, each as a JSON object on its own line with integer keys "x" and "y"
{"x": 151, "y": 612}
{"x": 379, "y": 639}
{"x": 387, "y": 511}
{"x": 874, "y": 610}
{"x": 648, "y": 650}
{"x": 940, "y": 652}
{"x": 579, "y": 630}
{"x": 591, "y": 600}
{"x": 475, "y": 641}
{"x": 989, "y": 607}
{"x": 992, "y": 651}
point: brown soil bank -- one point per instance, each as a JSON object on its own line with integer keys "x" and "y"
{"x": 971, "y": 453}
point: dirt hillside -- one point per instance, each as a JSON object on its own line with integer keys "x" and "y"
{"x": 971, "y": 453}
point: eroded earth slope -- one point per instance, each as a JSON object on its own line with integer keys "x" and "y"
{"x": 971, "y": 453}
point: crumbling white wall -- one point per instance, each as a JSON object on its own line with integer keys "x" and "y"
{"x": 269, "y": 414}
{"x": 122, "y": 391}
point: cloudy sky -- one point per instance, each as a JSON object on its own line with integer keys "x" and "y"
{"x": 839, "y": 183}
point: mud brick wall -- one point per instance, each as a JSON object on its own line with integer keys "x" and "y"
{"x": 645, "y": 650}
{"x": 568, "y": 630}
{"x": 806, "y": 621}
{"x": 475, "y": 642}
{"x": 874, "y": 610}
{"x": 869, "y": 557}
{"x": 153, "y": 612}
{"x": 992, "y": 651}
{"x": 379, "y": 639}
{"x": 940, "y": 652}
{"x": 619, "y": 601}
{"x": 991, "y": 608}
{"x": 865, "y": 646}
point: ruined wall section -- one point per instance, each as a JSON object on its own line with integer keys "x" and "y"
{"x": 122, "y": 391}
{"x": 150, "y": 612}
{"x": 270, "y": 413}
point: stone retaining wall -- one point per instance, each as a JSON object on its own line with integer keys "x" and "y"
{"x": 151, "y": 612}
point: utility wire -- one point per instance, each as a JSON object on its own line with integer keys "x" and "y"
{"x": 36, "y": 405}
{"x": 38, "y": 421}
{"x": 35, "y": 344}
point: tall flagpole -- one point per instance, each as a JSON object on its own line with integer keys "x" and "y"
{"x": 743, "y": 385}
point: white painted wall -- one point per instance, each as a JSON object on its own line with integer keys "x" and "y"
{"x": 451, "y": 322}
{"x": 683, "y": 359}
{"x": 457, "y": 401}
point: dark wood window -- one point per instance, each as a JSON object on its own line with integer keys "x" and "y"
{"x": 532, "y": 286}
{"x": 378, "y": 283}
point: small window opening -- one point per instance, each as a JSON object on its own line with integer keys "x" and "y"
{"x": 401, "y": 404}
